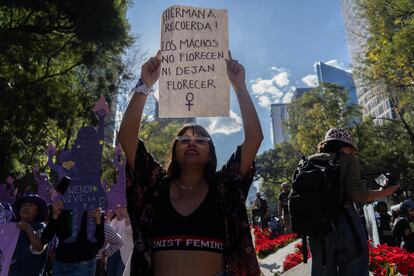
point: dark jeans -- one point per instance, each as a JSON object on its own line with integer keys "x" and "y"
{"x": 341, "y": 250}
{"x": 115, "y": 266}
{"x": 85, "y": 268}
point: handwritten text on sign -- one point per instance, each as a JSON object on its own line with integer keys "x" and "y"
{"x": 193, "y": 81}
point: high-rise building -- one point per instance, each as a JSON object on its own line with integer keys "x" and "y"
{"x": 371, "y": 97}
{"x": 326, "y": 74}
{"x": 279, "y": 115}
{"x": 333, "y": 75}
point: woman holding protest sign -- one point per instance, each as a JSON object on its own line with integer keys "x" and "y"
{"x": 188, "y": 218}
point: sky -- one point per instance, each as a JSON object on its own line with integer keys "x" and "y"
{"x": 277, "y": 41}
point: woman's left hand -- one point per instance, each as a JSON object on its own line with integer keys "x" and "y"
{"x": 236, "y": 73}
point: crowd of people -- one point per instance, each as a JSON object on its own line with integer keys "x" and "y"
{"x": 189, "y": 218}
{"x": 42, "y": 247}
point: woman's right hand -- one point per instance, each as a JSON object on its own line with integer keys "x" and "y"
{"x": 150, "y": 71}
{"x": 391, "y": 189}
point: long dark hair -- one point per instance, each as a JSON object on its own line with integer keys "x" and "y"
{"x": 173, "y": 169}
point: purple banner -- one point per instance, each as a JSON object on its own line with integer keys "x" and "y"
{"x": 9, "y": 234}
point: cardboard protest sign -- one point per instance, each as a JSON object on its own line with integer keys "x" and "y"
{"x": 85, "y": 191}
{"x": 44, "y": 187}
{"x": 9, "y": 234}
{"x": 116, "y": 194}
{"x": 65, "y": 163}
{"x": 193, "y": 80}
{"x": 371, "y": 223}
{"x": 7, "y": 193}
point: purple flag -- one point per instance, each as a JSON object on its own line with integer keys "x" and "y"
{"x": 9, "y": 234}
{"x": 7, "y": 194}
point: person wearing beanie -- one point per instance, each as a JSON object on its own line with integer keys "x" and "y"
{"x": 344, "y": 250}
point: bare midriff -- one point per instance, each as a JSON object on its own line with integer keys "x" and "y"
{"x": 187, "y": 263}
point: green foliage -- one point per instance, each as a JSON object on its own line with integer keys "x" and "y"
{"x": 56, "y": 59}
{"x": 389, "y": 54}
{"x": 159, "y": 137}
{"x": 386, "y": 148}
{"x": 311, "y": 115}
{"x": 390, "y": 48}
{"x": 275, "y": 166}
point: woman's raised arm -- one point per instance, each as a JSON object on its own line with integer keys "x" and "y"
{"x": 129, "y": 129}
{"x": 253, "y": 135}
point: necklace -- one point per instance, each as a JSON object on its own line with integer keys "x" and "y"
{"x": 184, "y": 188}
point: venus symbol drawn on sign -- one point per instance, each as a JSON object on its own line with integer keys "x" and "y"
{"x": 189, "y": 98}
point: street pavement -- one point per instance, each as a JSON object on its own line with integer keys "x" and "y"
{"x": 273, "y": 263}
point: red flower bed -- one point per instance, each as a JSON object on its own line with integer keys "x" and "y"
{"x": 383, "y": 260}
{"x": 267, "y": 244}
{"x": 295, "y": 258}
{"x": 387, "y": 260}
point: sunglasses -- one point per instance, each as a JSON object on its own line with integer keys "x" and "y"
{"x": 199, "y": 140}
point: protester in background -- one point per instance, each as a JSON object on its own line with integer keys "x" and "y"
{"x": 77, "y": 258}
{"x": 384, "y": 223}
{"x": 260, "y": 211}
{"x": 203, "y": 209}
{"x": 403, "y": 229}
{"x": 395, "y": 213}
{"x": 122, "y": 225}
{"x": 346, "y": 248}
{"x": 30, "y": 255}
{"x": 112, "y": 245}
{"x": 283, "y": 208}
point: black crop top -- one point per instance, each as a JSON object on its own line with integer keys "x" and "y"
{"x": 203, "y": 229}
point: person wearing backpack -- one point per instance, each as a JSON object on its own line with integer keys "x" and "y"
{"x": 324, "y": 189}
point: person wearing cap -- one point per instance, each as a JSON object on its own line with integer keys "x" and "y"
{"x": 30, "y": 255}
{"x": 283, "y": 209}
{"x": 346, "y": 247}
{"x": 403, "y": 229}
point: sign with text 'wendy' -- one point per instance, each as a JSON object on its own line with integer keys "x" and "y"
{"x": 193, "y": 80}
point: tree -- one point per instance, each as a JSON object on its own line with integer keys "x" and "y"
{"x": 311, "y": 115}
{"x": 56, "y": 59}
{"x": 387, "y": 65}
{"x": 159, "y": 137}
{"x": 275, "y": 166}
{"x": 383, "y": 149}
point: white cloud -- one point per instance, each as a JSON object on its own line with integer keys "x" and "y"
{"x": 260, "y": 87}
{"x": 272, "y": 90}
{"x": 310, "y": 80}
{"x": 224, "y": 125}
{"x": 264, "y": 101}
{"x": 288, "y": 97}
{"x": 281, "y": 79}
{"x": 335, "y": 63}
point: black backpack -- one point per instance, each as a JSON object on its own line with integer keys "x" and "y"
{"x": 317, "y": 197}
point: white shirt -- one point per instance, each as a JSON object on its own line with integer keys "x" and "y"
{"x": 125, "y": 231}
